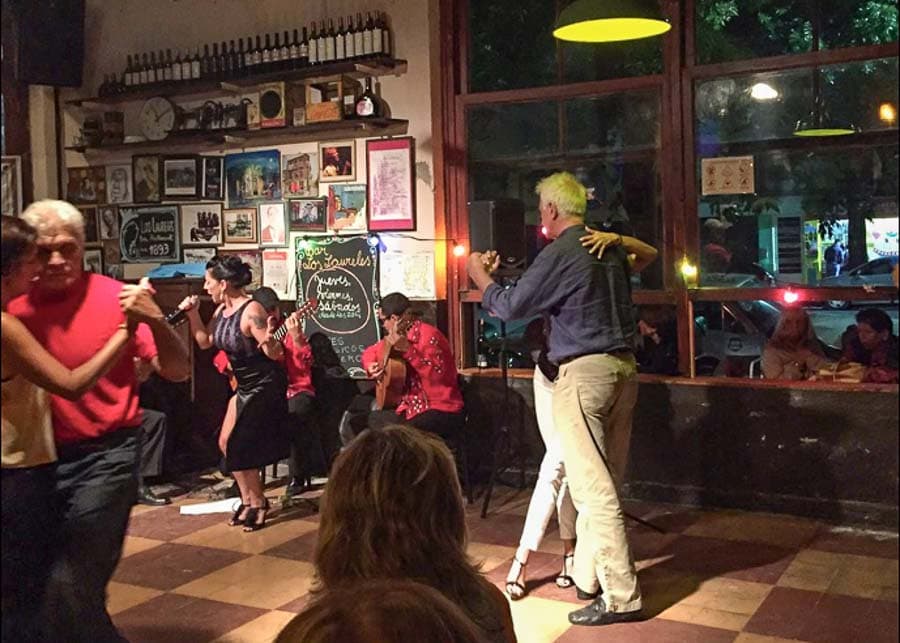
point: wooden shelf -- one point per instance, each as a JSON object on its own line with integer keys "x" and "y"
{"x": 375, "y": 66}
{"x": 237, "y": 139}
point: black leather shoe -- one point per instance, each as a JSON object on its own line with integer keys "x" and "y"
{"x": 295, "y": 488}
{"x": 147, "y": 497}
{"x": 586, "y": 596}
{"x": 596, "y": 614}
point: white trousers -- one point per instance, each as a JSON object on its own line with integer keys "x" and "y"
{"x": 551, "y": 492}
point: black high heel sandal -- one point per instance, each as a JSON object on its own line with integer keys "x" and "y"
{"x": 250, "y": 521}
{"x": 514, "y": 589}
{"x": 564, "y": 579}
{"x": 236, "y": 517}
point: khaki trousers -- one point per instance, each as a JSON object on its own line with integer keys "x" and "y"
{"x": 593, "y": 404}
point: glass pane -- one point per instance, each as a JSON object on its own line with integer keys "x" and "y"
{"x": 851, "y": 23}
{"x": 742, "y": 29}
{"x": 512, "y": 44}
{"x": 657, "y": 344}
{"x": 522, "y": 130}
{"x": 586, "y": 62}
{"x": 744, "y": 339}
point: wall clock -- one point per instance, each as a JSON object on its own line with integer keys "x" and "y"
{"x": 158, "y": 117}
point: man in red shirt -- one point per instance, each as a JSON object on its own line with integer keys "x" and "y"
{"x": 431, "y": 398}
{"x": 72, "y": 314}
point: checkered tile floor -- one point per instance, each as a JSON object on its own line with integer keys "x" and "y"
{"x": 715, "y": 576}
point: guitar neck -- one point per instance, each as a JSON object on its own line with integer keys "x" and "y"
{"x": 280, "y": 333}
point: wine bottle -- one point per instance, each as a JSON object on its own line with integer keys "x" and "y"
{"x": 235, "y": 59}
{"x": 276, "y": 53}
{"x": 128, "y": 70}
{"x": 196, "y": 65}
{"x": 385, "y": 36}
{"x": 368, "y": 105}
{"x": 329, "y": 42}
{"x": 313, "y": 45}
{"x": 321, "y": 48}
{"x": 248, "y": 56}
{"x": 349, "y": 35}
{"x": 294, "y": 52}
{"x": 377, "y": 42}
{"x": 161, "y": 68}
{"x": 266, "y": 57}
{"x": 303, "y": 50}
{"x": 340, "y": 47}
{"x": 224, "y": 63}
{"x": 167, "y": 67}
{"x": 257, "y": 55}
{"x": 367, "y": 36}
{"x": 186, "y": 65}
{"x": 176, "y": 67}
{"x": 286, "y": 52}
{"x": 358, "y": 39}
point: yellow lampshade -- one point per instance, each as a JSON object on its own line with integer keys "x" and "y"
{"x": 598, "y": 21}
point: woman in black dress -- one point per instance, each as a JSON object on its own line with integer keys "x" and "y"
{"x": 242, "y": 328}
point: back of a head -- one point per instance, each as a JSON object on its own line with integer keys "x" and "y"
{"x": 267, "y": 297}
{"x": 565, "y": 191}
{"x": 381, "y": 611}
{"x": 876, "y": 319}
{"x": 18, "y": 241}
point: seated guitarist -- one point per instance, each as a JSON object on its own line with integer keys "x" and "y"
{"x": 430, "y": 398}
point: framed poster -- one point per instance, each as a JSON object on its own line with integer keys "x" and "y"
{"x": 299, "y": 175}
{"x": 347, "y": 208}
{"x": 149, "y": 234}
{"x": 181, "y": 177}
{"x": 199, "y": 254}
{"x": 11, "y": 186}
{"x": 252, "y": 257}
{"x": 118, "y": 183}
{"x": 213, "y": 173}
{"x": 85, "y": 185}
{"x": 201, "y": 224}
{"x": 391, "y": 181}
{"x": 275, "y": 273}
{"x": 240, "y": 225}
{"x": 109, "y": 221}
{"x": 91, "y": 231}
{"x": 309, "y": 215}
{"x": 338, "y": 161}
{"x": 112, "y": 254}
{"x": 727, "y": 175}
{"x": 145, "y": 178}
{"x": 253, "y": 177}
{"x": 272, "y": 224}
{"x": 93, "y": 260}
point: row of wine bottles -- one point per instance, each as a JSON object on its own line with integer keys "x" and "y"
{"x": 323, "y": 43}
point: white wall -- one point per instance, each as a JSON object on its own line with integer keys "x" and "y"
{"x": 115, "y": 28}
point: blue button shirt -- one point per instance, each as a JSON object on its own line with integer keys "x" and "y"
{"x": 588, "y": 299}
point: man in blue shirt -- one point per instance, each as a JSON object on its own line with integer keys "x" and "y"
{"x": 592, "y": 335}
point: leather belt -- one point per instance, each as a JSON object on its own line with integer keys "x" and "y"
{"x": 620, "y": 353}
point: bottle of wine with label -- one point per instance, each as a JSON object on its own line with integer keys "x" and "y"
{"x": 368, "y": 105}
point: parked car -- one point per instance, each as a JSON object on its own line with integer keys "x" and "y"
{"x": 876, "y": 272}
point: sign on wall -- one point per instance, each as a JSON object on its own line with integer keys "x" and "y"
{"x": 727, "y": 175}
{"x": 149, "y": 234}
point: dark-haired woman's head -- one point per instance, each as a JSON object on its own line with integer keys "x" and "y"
{"x": 20, "y": 264}
{"x": 224, "y": 274}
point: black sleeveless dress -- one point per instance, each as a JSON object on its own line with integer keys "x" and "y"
{"x": 259, "y": 436}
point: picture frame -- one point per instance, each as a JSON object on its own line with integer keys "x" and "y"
{"x": 119, "y": 183}
{"x": 145, "y": 173}
{"x": 92, "y": 260}
{"x": 201, "y": 224}
{"x": 252, "y": 178}
{"x": 213, "y": 178}
{"x": 251, "y": 256}
{"x": 299, "y": 175}
{"x": 391, "y": 184}
{"x": 275, "y": 272}
{"x": 11, "y": 177}
{"x": 272, "y": 225}
{"x": 114, "y": 271}
{"x": 91, "y": 230}
{"x": 112, "y": 253}
{"x": 308, "y": 215}
{"x": 347, "y": 208}
{"x": 198, "y": 254}
{"x": 108, "y": 221}
{"x": 240, "y": 225}
{"x": 337, "y": 162}
{"x": 149, "y": 233}
{"x": 181, "y": 177}
{"x": 85, "y": 185}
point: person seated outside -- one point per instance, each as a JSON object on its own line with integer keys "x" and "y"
{"x": 393, "y": 508}
{"x": 381, "y": 611}
{"x": 872, "y": 343}
{"x": 657, "y": 349}
{"x": 793, "y": 352}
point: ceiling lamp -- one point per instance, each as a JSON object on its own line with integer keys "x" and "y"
{"x": 887, "y": 113}
{"x": 610, "y": 21}
{"x": 763, "y": 91}
{"x": 819, "y": 122}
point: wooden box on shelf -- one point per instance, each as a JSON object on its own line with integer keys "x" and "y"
{"x": 325, "y": 99}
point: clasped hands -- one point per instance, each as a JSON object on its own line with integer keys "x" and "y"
{"x": 136, "y": 301}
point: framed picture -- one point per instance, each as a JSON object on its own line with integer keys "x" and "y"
{"x": 201, "y": 224}
{"x": 91, "y": 231}
{"x": 86, "y": 185}
{"x": 338, "y": 161}
{"x": 118, "y": 183}
{"x": 145, "y": 178}
{"x": 240, "y": 225}
{"x": 93, "y": 260}
{"x": 275, "y": 271}
{"x": 252, "y": 257}
{"x": 112, "y": 254}
{"x": 114, "y": 270}
{"x": 149, "y": 234}
{"x": 108, "y": 216}
{"x": 213, "y": 172}
{"x": 299, "y": 175}
{"x": 11, "y": 186}
{"x": 272, "y": 224}
{"x": 308, "y": 215}
{"x": 347, "y": 208}
{"x": 391, "y": 181}
{"x": 253, "y": 177}
{"x": 181, "y": 177}
{"x": 199, "y": 254}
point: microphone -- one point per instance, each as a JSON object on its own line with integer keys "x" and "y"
{"x": 180, "y": 314}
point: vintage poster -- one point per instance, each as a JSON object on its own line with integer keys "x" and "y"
{"x": 275, "y": 272}
{"x": 727, "y": 175}
{"x": 411, "y": 273}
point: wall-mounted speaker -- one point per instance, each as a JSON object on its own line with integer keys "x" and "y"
{"x": 272, "y": 106}
{"x": 499, "y": 225}
{"x": 49, "y": 41}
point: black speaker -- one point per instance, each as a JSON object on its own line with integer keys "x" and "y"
{"x": 499, "y": 225}
{"x": 50, "y": 41}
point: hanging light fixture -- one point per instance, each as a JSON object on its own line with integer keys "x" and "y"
{"x": 819, "y": 122}
{"x": 610, "y": 21}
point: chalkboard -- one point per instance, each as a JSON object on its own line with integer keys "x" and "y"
{"x": 149, "y": 234}
{"x": 342, "y": 274}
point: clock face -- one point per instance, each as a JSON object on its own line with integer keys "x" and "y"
{"x": 157, "y": 118}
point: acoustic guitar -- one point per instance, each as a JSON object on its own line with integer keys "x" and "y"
{"x": 389, "y": 387}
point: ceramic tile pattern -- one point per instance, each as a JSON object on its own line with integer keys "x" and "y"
{"x": 714, "y": 576}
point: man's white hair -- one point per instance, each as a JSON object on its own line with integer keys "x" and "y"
{"x": 565, "y": 192}
{"x": 52, "y": 216}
